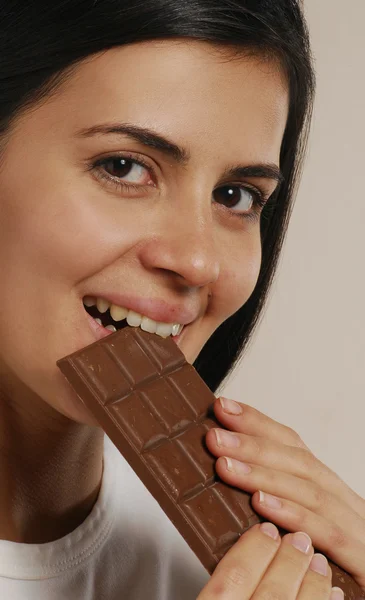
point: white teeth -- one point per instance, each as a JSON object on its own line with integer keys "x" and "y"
{"x": 164, "y": 329}
{"x": 118, "y": 313}
{"x": 175, "y": 329}
{"x": 89, "y": 301}
{"x": 102, "y": 305}
{"x": 134, "y": 319}
{"x": 148, "y": 325}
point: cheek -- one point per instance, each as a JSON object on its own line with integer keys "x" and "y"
{"x": 240, "y": 273}
{"x": 52, "y": 240}
{"x": 63, "y": 237}
{"x": 57, "y": 226}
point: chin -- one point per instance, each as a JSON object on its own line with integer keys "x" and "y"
{"x": 69, "y": 405}
{"x": 81, "y": 415}
{"x": 77, "y": 411}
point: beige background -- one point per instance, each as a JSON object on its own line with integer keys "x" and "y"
{"x": 305, "y": 366}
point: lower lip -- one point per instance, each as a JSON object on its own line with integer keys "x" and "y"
{"x": 97, "y": 329}
{"x": 177, "y": 338}
{"x": 101, "y": 332}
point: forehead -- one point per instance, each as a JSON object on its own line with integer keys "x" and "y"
{"x": 188, "y": 90}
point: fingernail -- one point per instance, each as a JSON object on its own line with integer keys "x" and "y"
{"x": 230, "y": 406}
{"x": 269, "y": 501}
{"x": 226, "y": 438}
{"x": 301, "y": 541}
{"x": 270, "y": 530}
{"x": 337, "y": 594}
{"x": 236, "y": 466}
{"x": 319, "y": 564}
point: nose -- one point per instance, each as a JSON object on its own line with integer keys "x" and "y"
{"x": 185, "y": 245}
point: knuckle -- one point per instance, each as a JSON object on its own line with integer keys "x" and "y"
{"x": 294, "y": 558}
{"x": 264, "y": 542}
{"x": 235, "y": 576}
{"x": 337, "y": 538}
{"x": 294, "y": 436}
{"x": 318, "y": 587}
{"x": 306, "y": 460}
{"x": 271, "y": 591}
{"x": 320, "y": 498}
{"x": 258, "y": 447}
{"x": 226, "y": 580}
{"x": 273, "y": 477}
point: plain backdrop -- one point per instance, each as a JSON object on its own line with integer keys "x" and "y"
{"x": 305, "y": 365}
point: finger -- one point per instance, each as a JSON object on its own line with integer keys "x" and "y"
{"x": 337, "y": 594}
{"x": 307, "y": 494}
{"x": 299, "y": 462}
{"x": 254, "y": 422}
{"x": 242, "y": 568}
{"x": 285, "y": 574}
{"x": 273, "y": 455}
{"x": 317, "y": 580}
{"x": 328, "y": 537}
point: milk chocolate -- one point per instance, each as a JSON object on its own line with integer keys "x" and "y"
{"x": 156, "y": 409}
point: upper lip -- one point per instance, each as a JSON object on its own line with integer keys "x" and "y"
{"x": 156, "y": 309}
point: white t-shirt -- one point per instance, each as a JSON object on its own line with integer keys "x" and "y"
{"x": 126, "y": 549}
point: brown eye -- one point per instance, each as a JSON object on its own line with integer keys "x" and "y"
{"x": 127, "y": 169}
{"x": 235, "y": 196}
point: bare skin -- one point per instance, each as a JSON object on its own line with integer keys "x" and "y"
{"x": 67, "y": 234}
{"x": 36, "y": 456}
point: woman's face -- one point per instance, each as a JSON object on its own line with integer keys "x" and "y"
{"x": 174, "y": 235}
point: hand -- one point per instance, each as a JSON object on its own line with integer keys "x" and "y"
{"x": 260, "y": 565}
{"x": 297, "y": 491}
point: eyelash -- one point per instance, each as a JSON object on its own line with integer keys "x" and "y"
{"x": 260, "y": 196}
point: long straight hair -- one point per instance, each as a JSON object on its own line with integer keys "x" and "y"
{"x": 41, "y": 45}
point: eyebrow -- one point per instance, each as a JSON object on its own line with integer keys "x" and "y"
{"x": 180, "y": 155}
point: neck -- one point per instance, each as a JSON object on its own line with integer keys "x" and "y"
{"x": 50, "y": 470}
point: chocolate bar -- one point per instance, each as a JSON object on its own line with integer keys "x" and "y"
{"x": 156, "y": 409}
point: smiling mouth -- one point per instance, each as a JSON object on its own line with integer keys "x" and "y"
{"x": 114, "y": 318}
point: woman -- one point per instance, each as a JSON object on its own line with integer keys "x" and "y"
{"x": 149, "y": 156}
